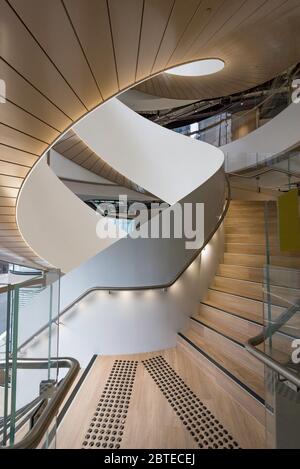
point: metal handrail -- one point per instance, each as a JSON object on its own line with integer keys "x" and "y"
{"x": 23, "y": 410}
{"x": 26, "y": 283}
{"x": 264, "y": 171}
{"x": 34, "y": 436}
{"x": 267, "y": 333}
{"x": 139, "y": 288}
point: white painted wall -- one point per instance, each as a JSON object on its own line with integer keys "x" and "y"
{"x": 272, "y": 139}
{"x": 123, "y": 322}
{"x": 130, "y": 262}
{"x": 132, "y": 322}
{"x": 172, "y": 167}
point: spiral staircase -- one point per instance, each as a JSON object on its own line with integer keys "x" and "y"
{"x": 200, "y": 387}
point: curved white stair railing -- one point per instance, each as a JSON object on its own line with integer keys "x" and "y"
{"x": 163, "y": 162}
{"x": 65, "y": 227}
{"x": 170, "y": 166}
{"x": 141, "y": 321}
{"x": 174, "y": 168}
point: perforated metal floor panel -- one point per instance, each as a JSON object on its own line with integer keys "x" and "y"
{"x": 203, "y": 426}
{"x": 107, "y": 426}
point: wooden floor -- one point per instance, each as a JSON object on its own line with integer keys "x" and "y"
{"x": 152, "y": 421}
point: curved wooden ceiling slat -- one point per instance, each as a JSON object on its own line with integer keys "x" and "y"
{"x": 49, "y": 24}
{"x": 126, "y": 19}
{"x": 155, "y": 19}
{"x": 12, "y": 155}
{"x": 21, "y": 51}
{"x": 74, "y": 149}
{"x": 20, "y": 92}
{"x": 181, "y": 16}
{"x": 61, "y": 58}
{"x": 246, "y": 35}
{"x": 93, "y": 29}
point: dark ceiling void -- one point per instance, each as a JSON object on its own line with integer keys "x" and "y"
{"x": 275, "y": 95}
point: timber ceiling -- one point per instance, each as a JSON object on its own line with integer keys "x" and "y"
{"x": 62, "y": 58}
{"x": 74, "y": 149}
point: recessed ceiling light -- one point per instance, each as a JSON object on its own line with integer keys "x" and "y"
{"x": 199, "y": 68}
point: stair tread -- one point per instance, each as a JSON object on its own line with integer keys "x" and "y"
{"x": 280, "y": 295}
{"x": 253, "y": 290}
{"x": 240, "y": 330}
{"x": 228, "y": 302}
{"x": 257, "y": 260}
{"x": 237, "y": 202}
{"x": 253, "y": 380}
{"x": 237, "y": 335}
{"x": 257, "y": 249}
{"x": 242, "y": 272}
{"x": 258, "y": 238}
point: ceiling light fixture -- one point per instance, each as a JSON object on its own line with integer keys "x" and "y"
{"x": 199, "y": 68}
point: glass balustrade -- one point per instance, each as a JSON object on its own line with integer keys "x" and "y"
{"x": 29, "y": 324}
{"x": 281, "y": 317}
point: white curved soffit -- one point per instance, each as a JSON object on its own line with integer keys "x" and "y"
{"x": 167, "y": 164}
{"x": 163, "y": 162}
{"x": 143, "y": 102}
{"x": 279, "y": 135}
{"x": 64, "y": 231}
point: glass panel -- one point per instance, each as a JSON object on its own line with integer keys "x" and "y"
{"x": 30, "y": 331}
{"x": 282, "y": 318}
{"x": 239, "y": 118}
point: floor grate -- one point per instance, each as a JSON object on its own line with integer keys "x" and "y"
{"x": 107, "y": 426}
{"x": 206, "y": 430}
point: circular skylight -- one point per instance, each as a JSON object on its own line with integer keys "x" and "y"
{"x": 198, "y": 69}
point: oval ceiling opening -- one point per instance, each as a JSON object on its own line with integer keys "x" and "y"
{"x": 198, "y": 69}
